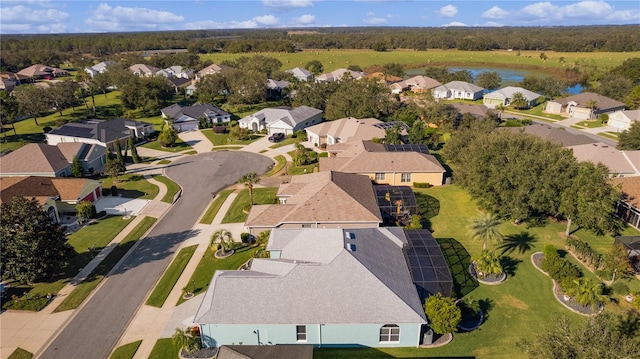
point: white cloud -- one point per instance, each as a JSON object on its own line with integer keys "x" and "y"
{"x": 268, "y": 20}
{"x": 304, "y": 20}
{"x": 493, "y": 24}
{"x": 454, "y": 24}
{"x": 120, "y": 18}
{"x": 286, "y": 4}
{"x": 624, "y": 15}
{"x": 208, "y": 24}
{"x": 540, "y": 9}
{"x": 448, "y": 11}
{"x": 495, "y": 13}
{"x": 28, "y": 19}
{"x": 374, "y": 20}
{"x": 587, "y": 9}
{"x": 371, "y": 13}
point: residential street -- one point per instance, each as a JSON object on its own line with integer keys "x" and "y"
{"x": 97, "y": 326}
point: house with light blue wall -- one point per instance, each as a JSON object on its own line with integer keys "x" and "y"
{"x": 323, "y": 286}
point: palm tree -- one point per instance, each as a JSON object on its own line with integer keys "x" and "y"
{"x": 518, "y": 101}
{"x": 186, "y": 340}
{"x": 487, "y": 263}
{"x": 249, "y": 180}
{"x": 587, "y": 293}
{"x": 486, "y": 229}
{"x": 225, "y": 238}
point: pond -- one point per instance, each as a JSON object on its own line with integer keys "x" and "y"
{"x": 510, "y": 77}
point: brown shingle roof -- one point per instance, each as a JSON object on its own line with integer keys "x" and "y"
{"x": 349, "y": 129}
{"x": 368, "y": 162}
{"x": 630, "y": 188}
{"x": 34, "y": 158}
{"x": 68, "y": 189}
{"x": 554, "y": 134}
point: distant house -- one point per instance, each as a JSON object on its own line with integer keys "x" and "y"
{"x": 339, "y": 74}
{"x": 387, "y": 164}
{"x": 9, "y": 80}
{"x": 458, "y": 90}
{"x": 586, "y": 105}
{"x": 628, "y": 207}
{"x": 274, "y": 88}
{"x": 143, "y": 70}
{"x": 100, "y": 132}
{"x": 176, "y": 72}
{"x": 383, "y": 78}
{"x": 42, "y": 160}
{"x": 319, "y": 200}
{"x": 632, "y": 246}
{"x": 622, "y": 120}
{"x": 620, "y": 163}
{"x": 417, "y": 84}
{"x": 99, "y": 68}
{"x": 503, "y": 96}
{"x": 301, "y": 74}
{"x": 350, "y": 287}
{"x": 478, "y": 111}
{"x": 42, "y": 72}
{"x": 210, "y": 70}
{"x": 282, "y": 119}
{"x": 557, "y": 135}
{"x": 55, "y": 195}
{"x": 191, "y": 89}
{"x": 345, "y": 130}
{"x": 187, "y": 118}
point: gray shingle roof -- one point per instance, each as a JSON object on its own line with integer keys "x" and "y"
{"x": 582, "y": 100}
{"x": 34, "y": 158}
{"x": 553, "y": 134}
{"x": 292, "y": 117}
{"x": 333, "y": 284}
{"x": 103, "y": 131}
{"x": 290, "y": 351}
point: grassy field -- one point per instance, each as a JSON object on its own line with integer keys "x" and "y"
{"x": 172, "y": 188}
{"x": 126, "y": 351}
{"x": 335, "y": 59}
{"x": 170, "y": 277}
{"x": 131, "y": 186}
{"x": 260, "y": 196}
{"x": 209, "y": 264}
{"x": 213, "y": 209}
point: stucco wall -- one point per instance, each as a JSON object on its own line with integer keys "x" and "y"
{"x": 395, "y": 179}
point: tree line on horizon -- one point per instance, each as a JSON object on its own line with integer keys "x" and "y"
{"x": 20, "y": 51}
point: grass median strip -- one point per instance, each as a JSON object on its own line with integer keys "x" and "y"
{"x": 170, "y": 277}
{"x": 84, "y": 289}
{"x": 281, "y": 161}
{"x": 213, "y": 209}
{"x": 126, "y": 351}
{"x": 172, "y": 188}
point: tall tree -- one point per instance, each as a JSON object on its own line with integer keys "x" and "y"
{"x": 118, "y": 151}
{"x": 393, "y": 69}
{"x": 9, "y": 111}
{"x": 633, "y": 99}
{"x": 62, "y": 94}
{"x": 486, "y": 228}
{"x": 212, "y": 88}
{"x": 315, "y": 67}
{"x": 248, "y": 180}
{"x": 617, "y": 261}
{"x": 489, "y": 80}
{"x": 417, "y": 132}
{"x": 33, "y": 244}
{"x": 630, "y": 139}
{"x": 360, "y": 99}
{"x": 33, "y": 100}
{"x": 519, "y": 101}
{"x": 134, "y": 151}
{"x": 168, "y": 136}
{"x": 113, "y": 167}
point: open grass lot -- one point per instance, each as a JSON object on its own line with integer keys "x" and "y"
{"x": 222, "y": 139}
{"x": 131, "y": 186}
{"x": 170, "y": 277}
{"x": 164, "y": 349}
{"x": 334, "y": 59}
{"x": 213, "y": 209}
{"x": 209, "y": 264}
{"x": 126, "y": 351}
{"x": 518, "y": 308}
{"x": 260, "y": 196}
{"x": 172, "y": 188}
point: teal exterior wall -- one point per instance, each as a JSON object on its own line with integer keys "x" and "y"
{"x": 327, "y": 335}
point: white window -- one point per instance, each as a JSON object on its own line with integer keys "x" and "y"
{"x": 389, "y": 333}
{"x": 406, "y": 177}
{"x": 301, "y": 333}
{"x": 380, "y": 176}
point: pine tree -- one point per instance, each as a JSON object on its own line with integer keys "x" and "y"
{"x": 134, "y": 152}
{"x": 119, "y": 156}
{"x": 76, "y": 167}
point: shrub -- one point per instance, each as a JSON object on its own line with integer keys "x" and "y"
{"x": 300, "y": 134}
{"x": 558, "y": 268}
{"x": 245, "y": 237}
{"x": 550, "y": 251}
{"x": 323, "y": 146}
{"x": 583, "y": 251}
{"x": 443, "y": 313}
{"x": 620, "y": 288}
{"x": 323, "y": 154}
{"x": 114, "y": 191}
{"x": 421, "y": 184}
{"x": 46, "y": 129}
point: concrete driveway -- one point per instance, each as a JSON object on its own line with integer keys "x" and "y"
{"x": 95, "y": 327}
{"x": 121, "y": 206}
{"x": 197, "y": 140}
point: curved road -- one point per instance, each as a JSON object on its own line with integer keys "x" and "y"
{"x": 95, "y": 329}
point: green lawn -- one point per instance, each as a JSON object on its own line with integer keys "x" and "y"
{"x": 590, "y": 124}
{"x": 209, "y": 264}
{"x": 260, "y": 196}
{"x": 126, "y": 351}
{"x": 538, "y": 111}
{"x": 281, "y": 161}
{"x": 20, "y": 353}
{"x": 179, "y": 146}
{"x": 286, "y": 142}
{"x": 172, "y": 188}
{"x": 227, "y": 148}
{"x": 131, "y": 186}
{"x": 170, "y": 277}
{"x": 97, "y": 234}
{"x": 301, "y": 170}
{"x": 164, "y": 349}
{"x": 213, "y": 209}
{"x": 164, "y": 162}
{"x": 218, "y": 139}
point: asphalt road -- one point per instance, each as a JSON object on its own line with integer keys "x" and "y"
{"x": 96, "y": 328}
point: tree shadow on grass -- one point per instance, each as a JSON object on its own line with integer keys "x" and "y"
{"x": 522, "y": 242}
{"x": 458, "y": 260}
{"x": 509, "y": 265}
{"x": 428, "y": 207}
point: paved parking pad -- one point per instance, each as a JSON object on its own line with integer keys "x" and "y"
{"x": 121, "y": 206}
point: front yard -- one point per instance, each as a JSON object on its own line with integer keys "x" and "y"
{"x": 236, "y": 212}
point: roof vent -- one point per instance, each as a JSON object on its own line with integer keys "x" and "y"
{"x": 351, "y": 247}
{"x": 349, "y": 235}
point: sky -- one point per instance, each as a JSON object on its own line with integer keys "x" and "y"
{"x": 88, "y": 16}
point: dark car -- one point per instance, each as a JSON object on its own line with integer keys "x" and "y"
{"x": 276, "y": 137}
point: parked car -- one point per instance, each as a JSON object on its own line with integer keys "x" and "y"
{"x": 276, "y": 137}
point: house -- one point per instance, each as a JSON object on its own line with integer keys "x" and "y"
{"x": 283, "y": 351}
{"x": 274, "y": 88}
{"x": 176, "y": 72}
{"x": 417, "y": 84}
{"x": 99, "y": 68}
{"x": 187, "y": 118}
{"x": 330, "y": 287}
{"x": 42, "y": 72}
{"x": 478, "y": 111}
{"x": 622, "y": 120}
{"x": 383, "y": 78}
{"x": 345, "y": 130}
{"x": 100, "y": 132}
{"x": 319, "y": 200}
{"x": 42, "y": 160}
{"x": 339, "y": 74}
{"x": 557, "y": 135}
{"x": 56, "y": 195}
{"x": 503, "y": 96}
{"x": 628, "y": 206}
{"x": 620, "y": 163}
{"x": 586, "y": 106}
{"x": 301, "y": 74}
{"x": 179, "y": 83}
{"x": 460, "y": 90}
{"x": 9, "y": 80}
{"x": 143, "y": 70}
{"x": 191, "y": 89}
{"x": 210, "y": 70}
{"x": 282, "y": 119}
{"x": 386, "y": 164}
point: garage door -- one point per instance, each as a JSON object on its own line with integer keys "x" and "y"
{"x": 581, "y": 113}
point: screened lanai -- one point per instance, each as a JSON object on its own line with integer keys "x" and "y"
{"x": 427, "y": 264}
{"x": 396, "y": 203}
